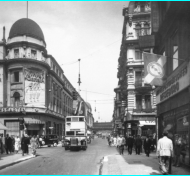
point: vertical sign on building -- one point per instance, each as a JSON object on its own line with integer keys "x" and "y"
{"x": 154, "y": 16}
{"x": 34, "y": 88}
{"x": 1, "y": 86}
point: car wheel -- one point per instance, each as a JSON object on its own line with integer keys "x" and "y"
{"x": 66, "y": 148}
{"x": 49, "y": 145}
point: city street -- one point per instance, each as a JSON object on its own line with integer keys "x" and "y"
{"x": 55, "y": 160}
{"x": 98, "y": 159}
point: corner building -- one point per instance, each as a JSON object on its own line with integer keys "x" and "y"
{"x": 135, "y": 103}
{"x": 32, "y": 84}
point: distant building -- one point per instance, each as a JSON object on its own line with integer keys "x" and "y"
{"x": 102, "y": 127}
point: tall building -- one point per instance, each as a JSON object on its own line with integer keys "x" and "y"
{"x": 171, "y": 26}
{"x": 135, "y": 102}
{"x": 33, "y": 86}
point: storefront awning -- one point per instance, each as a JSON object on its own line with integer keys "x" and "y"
{"x": 3, "y": 127}
{"x": 142, "y": 123}
{"x": 33, "y": 121}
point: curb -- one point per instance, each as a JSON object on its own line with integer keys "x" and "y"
{"x": 16, "y": 161}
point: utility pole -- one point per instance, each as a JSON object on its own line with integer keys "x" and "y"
{"x": 27, "y": 9}
{"x": 79, "y": 81}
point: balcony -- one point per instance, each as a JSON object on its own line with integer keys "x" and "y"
{"x": 142, "y": 88}
{"x": 146, "y": 110}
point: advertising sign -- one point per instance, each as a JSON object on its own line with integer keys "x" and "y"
{"x": 34, "y": 88}
{"x": 176, "y": 82}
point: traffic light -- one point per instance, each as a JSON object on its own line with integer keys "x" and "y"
{"x": 74, "y": 95}
{"x": 21, "y": 123}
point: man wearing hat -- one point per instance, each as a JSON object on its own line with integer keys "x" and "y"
{"x": 165, "y": 152}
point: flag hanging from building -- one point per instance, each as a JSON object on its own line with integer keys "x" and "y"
{"x": 154, "y": 68}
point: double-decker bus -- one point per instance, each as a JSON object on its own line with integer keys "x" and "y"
{"x": 75, "y": 132}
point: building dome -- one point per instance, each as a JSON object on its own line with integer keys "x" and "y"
{"x": 26, "y": 27}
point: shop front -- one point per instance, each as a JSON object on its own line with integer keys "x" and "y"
{"x": 173, "y": 107}
{"x": 34, "y": 124}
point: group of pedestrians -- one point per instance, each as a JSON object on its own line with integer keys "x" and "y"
{"x": 131, "y": 142}
{"x": 13, "y": 144}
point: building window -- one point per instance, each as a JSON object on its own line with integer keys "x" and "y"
{"x": 138, "y": 79}
{"x": 175, "y": 51}
{"x": 138, "y": 101}
{"x": 33, "y": 54}
{"x": 138, "y": 55}
{"x": 16, "y": 53}
{"x": 16, "y": 99}
{"x": 148, "y": 102}
{"x": 16, "y": 76}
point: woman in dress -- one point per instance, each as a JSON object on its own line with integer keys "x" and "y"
{"x": 33, "y": 144}
{"x": 17, "y": 144}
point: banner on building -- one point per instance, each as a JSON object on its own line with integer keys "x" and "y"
{"x": 154, "y": 68}
{"x": 34, "y": 88}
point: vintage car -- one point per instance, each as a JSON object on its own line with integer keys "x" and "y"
{"x": 50, "y": 139}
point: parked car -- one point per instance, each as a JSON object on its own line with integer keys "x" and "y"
{"x": 50, "y": 139}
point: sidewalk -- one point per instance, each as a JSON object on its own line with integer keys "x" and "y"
{"x": 136, "y": 165}
{"x": 11, "y": 159}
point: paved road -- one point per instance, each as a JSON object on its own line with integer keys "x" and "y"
{"x": 56, "y": 160}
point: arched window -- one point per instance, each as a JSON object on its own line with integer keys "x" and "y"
{"x": 16, "y": 99}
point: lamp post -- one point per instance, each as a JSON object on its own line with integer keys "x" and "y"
{"x": 79, "y": 81}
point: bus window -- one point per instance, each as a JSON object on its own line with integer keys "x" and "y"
{"x": 75, "y": 119}
{"x": 70, "y": 133}
{"x": 81, "y": 119}
{"x": 68, "y": 119}
{"x": 79, "y": 133}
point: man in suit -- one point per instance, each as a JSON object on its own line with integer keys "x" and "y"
{"x": 130, "y": 142}
{"x": 147, "y": 145}
{"x": 165, "y": 152}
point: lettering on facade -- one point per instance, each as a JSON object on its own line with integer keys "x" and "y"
{"x": 12, "y": 109}
{"x": 171, "y": 86}
{"x": 34, "y": 87}
{"x": 34, "y": 76}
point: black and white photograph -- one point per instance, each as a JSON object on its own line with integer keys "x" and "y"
{"x": 94, "y": 87}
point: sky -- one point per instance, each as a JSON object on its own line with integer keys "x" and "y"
{"x": 86, "y": 30}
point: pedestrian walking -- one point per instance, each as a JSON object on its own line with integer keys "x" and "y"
{"x": 13, "y": 143}
{"x": 130, "y": 142}
{"x": 114, "y": 141}
{"x": 177, "y": 150}
{"x": 165, "y": 152}
{"x": 1, "y": 146}
{"x": 123, "y": 142}
{"x": 147, "y": 145}
{"x": 17, "y": 144}
{"x": 33, "y": 144}
{"x": 8, "y": 144}
{"x": 138, "y": 144}
{"x": 24, "y": 144}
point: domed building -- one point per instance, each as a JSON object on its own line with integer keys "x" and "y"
{"x": 33, "y": 86}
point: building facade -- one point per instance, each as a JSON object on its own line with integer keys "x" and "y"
{"x": 33, "y": 86}
{"x": 171, "y": 26}
{"x": 135, "y": 103}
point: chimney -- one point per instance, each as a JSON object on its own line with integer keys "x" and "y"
{"x": 3, "y": 34}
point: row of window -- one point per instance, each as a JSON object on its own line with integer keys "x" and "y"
{"x": 58, "y": 72}
{"x": 32, "y": 54}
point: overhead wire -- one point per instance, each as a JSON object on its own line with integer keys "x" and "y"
{"x": 70, "y": 63}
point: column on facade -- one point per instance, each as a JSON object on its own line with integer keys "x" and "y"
{"x": 8, "y": 98}
{"x": 131, "y": 100}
